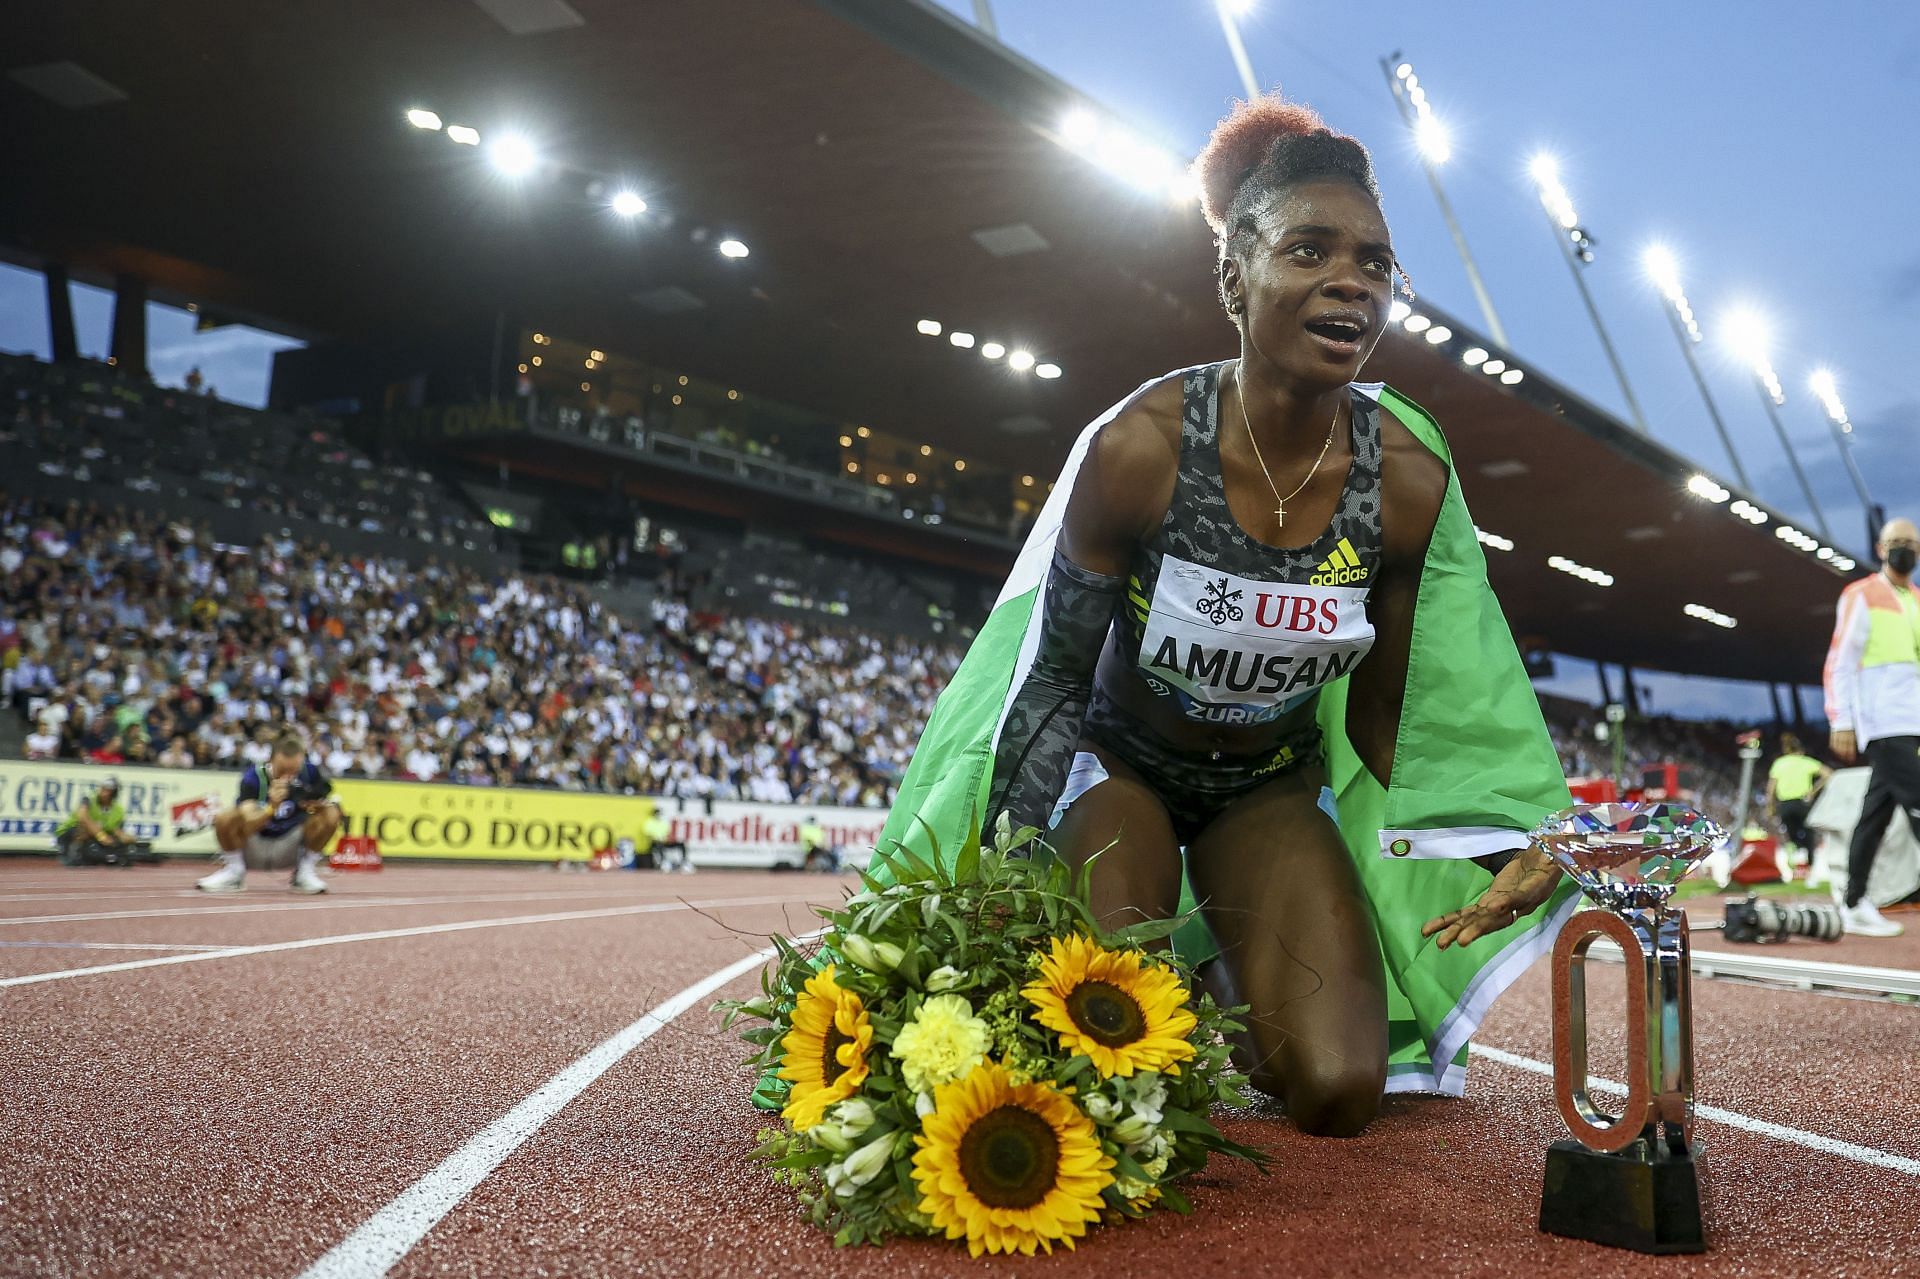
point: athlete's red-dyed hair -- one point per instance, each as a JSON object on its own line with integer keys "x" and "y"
{"x": 1263, "y": 146}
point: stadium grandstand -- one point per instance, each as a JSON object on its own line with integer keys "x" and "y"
{"x": 677, "y": 475}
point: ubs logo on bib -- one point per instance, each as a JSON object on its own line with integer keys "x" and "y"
{"x": 1240, "y": 649}
{"x": 1217, "y": 603}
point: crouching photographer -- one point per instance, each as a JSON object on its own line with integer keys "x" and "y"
{"x": 95, "y": 834}
{"x": 284, "y": 816}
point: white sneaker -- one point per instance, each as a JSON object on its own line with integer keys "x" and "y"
{"x": 686, "y": 868}
{"x": 307, "y": 880}
{"x": 1865, "y": 920}
{"x": 228, "y": 879}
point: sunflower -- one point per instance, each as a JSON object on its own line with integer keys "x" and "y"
{"x": 1009, "y": 1167}
{"x": 1121, "y": 1009}
{"x": 826, "y": 1051}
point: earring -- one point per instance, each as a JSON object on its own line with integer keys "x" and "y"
{"x": 1235, "y": 306}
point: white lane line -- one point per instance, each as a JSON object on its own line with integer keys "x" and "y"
{"x": 1746, "y": 1123}
{"x": 102, "y": 945}
{"x": 424, "y": 930}
{"x": 221, "y": 906}
{"x": 387, "y": 1236}
{"x": 184, "y": 891}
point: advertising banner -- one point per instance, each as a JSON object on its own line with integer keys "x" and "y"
{"x": 418, "y": 819}
{"x": 172, "y": 808}
{"x": 761, "y": 836}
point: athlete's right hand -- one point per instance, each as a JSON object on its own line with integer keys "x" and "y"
{"x": 278, "y": 788}
{"x": 1842, "y": 742}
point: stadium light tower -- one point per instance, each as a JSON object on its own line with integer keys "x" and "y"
{"x": 1664, "y": 271}
{"x": 1748, "y": 334}
{"x": 1822, "y": 383}
{"x": 1230, "y": 12}
{"x": 1576, "y": 246}
{"x": 1430, "y": 138}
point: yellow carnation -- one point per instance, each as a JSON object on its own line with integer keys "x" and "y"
{"x": 943, "y": 1042}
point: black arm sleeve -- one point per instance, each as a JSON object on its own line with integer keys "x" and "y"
{"x": 1043, "y": 725}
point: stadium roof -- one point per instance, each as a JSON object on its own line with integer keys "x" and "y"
{"x": 883, "y": 162}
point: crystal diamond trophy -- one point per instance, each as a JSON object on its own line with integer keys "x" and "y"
{"x": 1632, "y": 1179}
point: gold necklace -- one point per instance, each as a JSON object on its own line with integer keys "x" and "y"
{"x": 1280, "y": 503}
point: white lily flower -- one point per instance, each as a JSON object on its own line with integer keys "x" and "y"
{"x": 860, "y": 951}
{"x": 854, "y": 1114}
{"x": 943, "y": 979}
{"x": 868, "y": 1162}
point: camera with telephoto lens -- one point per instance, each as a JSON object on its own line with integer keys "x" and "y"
{"x": 1754, "y": 920}
{"x": 310, "y": 791}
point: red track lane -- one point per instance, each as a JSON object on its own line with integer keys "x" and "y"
{"x": 647, "y": 1174}
{"x": 238, "y": 1117}
{"x": 243, "y": 1116}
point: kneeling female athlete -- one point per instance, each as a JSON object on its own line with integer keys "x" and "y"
{"x": 1258, "y": 575}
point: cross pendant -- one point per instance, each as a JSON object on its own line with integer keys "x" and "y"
{"x": 1280, "y": 515}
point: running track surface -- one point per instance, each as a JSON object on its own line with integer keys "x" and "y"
{"x": 391, "y": 1080}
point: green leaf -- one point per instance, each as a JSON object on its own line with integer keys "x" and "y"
{"x": 1125, "y": 1165}
{"x": 1148, "y": 931}
{"x": 966, "y": 866}
{"x": 1181, "y": 1121}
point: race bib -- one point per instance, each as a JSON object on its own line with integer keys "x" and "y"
{"x": 1234, "y": 650}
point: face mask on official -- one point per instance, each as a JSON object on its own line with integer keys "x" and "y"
{"x": 1901, "y": 558}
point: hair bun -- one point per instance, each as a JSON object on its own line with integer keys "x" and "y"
{"x": 1240, "y": 143}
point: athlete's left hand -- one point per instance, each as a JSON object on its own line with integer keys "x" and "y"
{"x": 1517, "y": 890}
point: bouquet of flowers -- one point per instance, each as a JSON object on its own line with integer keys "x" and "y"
{"x": 965, "y": 1052}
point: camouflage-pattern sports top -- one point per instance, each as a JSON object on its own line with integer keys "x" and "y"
{"x": 1235, "y": 631}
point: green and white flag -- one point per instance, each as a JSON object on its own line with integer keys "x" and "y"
{"x": 1473, "y": 770}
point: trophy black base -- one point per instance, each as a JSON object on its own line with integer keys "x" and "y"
{"x": 1628, "y": 1200}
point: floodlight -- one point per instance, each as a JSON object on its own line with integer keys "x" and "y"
{"x": 1749, "y": 336}
{"x": 420, "y": 118}
{"x": 627, "y": 204}
{"x": 1020, "y": 361}
{"x": 512, "y": 155}
{"x": 1431, "y": 137}
{"x": 465, "y": 136}
{"x": 1662, "y": 269}
{"x": 732, "y": 249}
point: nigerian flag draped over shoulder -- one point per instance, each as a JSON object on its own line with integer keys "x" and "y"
{"x": 1473, "y": 769}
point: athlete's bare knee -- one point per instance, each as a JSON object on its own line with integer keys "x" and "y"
{"x": 1327, "y": 1097}
{"x": 320, "y": 827}
{"x": 230, "y": 829}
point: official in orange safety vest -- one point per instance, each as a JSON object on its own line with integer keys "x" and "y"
{"x": 1873, "y": 706}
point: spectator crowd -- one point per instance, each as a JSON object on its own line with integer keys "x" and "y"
{"x": 127, "y": 638}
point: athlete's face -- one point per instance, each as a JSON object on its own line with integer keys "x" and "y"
{"x": 286, "y": 765}
{"x": 1316, "y": 282}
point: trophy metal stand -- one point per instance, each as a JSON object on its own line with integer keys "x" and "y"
{"x": 1632, "y": 1180}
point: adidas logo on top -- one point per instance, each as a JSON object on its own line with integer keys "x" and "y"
{"x": 1342, "y": 568}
